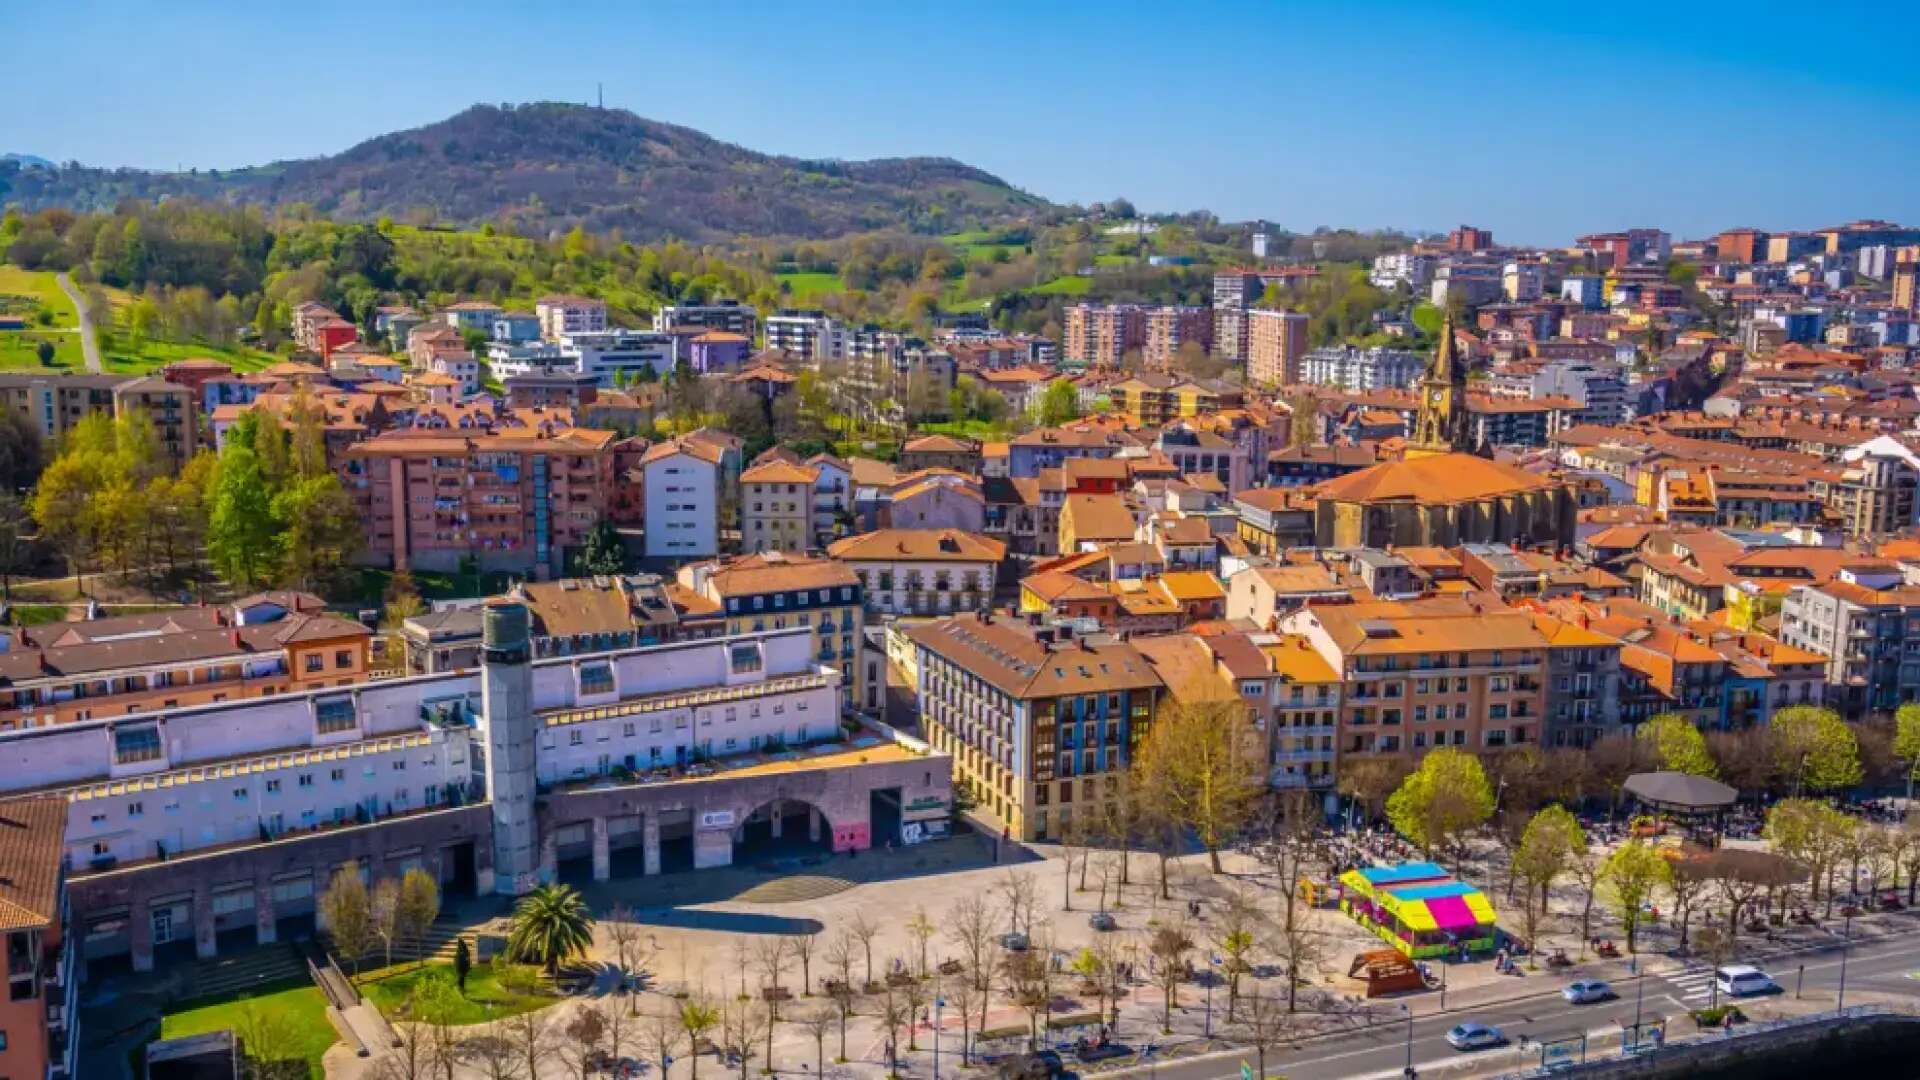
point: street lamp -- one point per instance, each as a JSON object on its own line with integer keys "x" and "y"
{"x": 1846, "y": 945}
{"x": 938, "y": 1003}
{"x": 1213, "y": 962}
{"x": 1410, "y": 1072}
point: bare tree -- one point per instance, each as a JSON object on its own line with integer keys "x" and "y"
{"x": 742, "y": 1023}
{"x": 894, "y": 1014}
{"x": 864, "y": 931}
{"x": 970, "y": 929}
{"x": 742, "y": 953}
{"x": 816, "y": 1021}
{"x": 623, "y": 930}
{"x": 1029, "y": 977}
{"x": 660, "y": 1036}
{"x": 1584, "y": 869}
{"x": 922, "y": 930}
{"x": 585, "y": 1041}
{"x": 802, "y": 945}
{"x": 1169, "y": 945}
{"x": 532, "y": 1037}
{"x": 493, "y": 1053}
{"x": 961, "y": 988}
{"x": 411, "y": 1055}
{"x": 1264, "y": 1023}
{"x": 1017, "y": 894}
{"x": 386, "y": 915}
{"x": 770, "y": 954}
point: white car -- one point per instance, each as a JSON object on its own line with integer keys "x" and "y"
{"x": 1742, "y": 980}
{"x": 1587, "y": 990}
{"x": 1471, "y": 1036}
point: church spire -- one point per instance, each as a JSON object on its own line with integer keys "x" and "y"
{"x": 1442, "y": 425}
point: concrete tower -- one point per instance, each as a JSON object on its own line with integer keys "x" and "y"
{"x": 506, "y": 707}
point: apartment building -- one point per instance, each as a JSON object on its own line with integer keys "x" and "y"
{"x": 922, "y": 571}
{"x": 1523, "y": 282}
{"x": 563, "y": 316}
{"x": 518, "y": 499}
{"x": 470, "y": 315}
{"x": 1425, "y": 674}
{"x": 1167, "y": 329}
{"x": 1353, "y": 368}
{"x": 40, "y": 1018}
{"x": 612, "y": 355}
{"x": 776, "y": 506}
{"x": 270, "y": 643}
{"x": 808, "y": 337}
{"x": 1306, "y": 702}
{"x": 680, "y": 487}
{"x": 776, "y": 590}
{"x": 54, "y": 403}
{"x": 1040, "y": 722}
{"x": 1866, "y": 622}
{"x": 1409, "y": 268}
{"x": 1878, "y": 493}
{"x": 1583, "y": 680}
{"x": 1098, "y": 335}
{"x": 1276, "y": 345}
{"x": 730, "y": 315}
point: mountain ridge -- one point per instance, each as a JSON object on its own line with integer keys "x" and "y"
{"x": 547, "y": 166}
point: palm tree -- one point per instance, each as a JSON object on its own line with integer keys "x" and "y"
{"x": 551, "y": 925}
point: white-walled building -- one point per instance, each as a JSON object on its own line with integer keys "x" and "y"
{"x": 680, "y": 483}
{"x": 157, "y": 787}
{"x": 1353, "y": 368}
{"x": 610, "y": 352}
{"x": 565, "y": 316}
{"x": 923, "y": 571}
{"x": 808, "y": 336}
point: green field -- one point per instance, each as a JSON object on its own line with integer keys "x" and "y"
{"x": 484, "y": 999}
{"x": 979, "y": 244}
{"x": 295, "y": 1010}
{"x": 971, "y": 429}
{"x": 1065, "y": 285}
{"x": 155, "y": 354}
{"x": 803, "y": 285}
{"x": 20, "y": 348}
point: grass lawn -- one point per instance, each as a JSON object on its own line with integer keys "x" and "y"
{"x": 40, "y": 286}
{"x": 298, "y": 1005}
{"x": 972, "y": 429}
{"x": 802, "y": 286}
{"x": 387, "y": 989}
{"x": 20, "y": 351}
{"x": 371, "y": 585}
{"x": 156, "y": 354}
{"x": 1065, "y": 285}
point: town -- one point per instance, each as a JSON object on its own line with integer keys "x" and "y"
{"x": 1157, "y": 645}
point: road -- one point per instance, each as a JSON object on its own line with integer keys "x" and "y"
{"x": 1888, "y": 967}
{"x": 89, "y": 344}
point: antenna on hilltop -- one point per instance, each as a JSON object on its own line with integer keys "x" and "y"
{"x": 600, "y": 93}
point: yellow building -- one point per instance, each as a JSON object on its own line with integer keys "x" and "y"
{"x": 1443, "y": 501}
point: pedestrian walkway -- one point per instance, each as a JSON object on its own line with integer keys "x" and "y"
{"x": 1694, "y": 986}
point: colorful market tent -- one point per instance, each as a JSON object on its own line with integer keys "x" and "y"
{"x": 1418, "y": 908}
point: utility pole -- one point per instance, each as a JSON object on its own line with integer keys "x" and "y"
{"x": 1846, "y": 946}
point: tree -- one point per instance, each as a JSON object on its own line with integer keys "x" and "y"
{"x": 1059, "y": 403}
{"x": 44, "y": 352}
{"x": 1816, "y": 748}
{"x": 493, "y": 1053}
{"x": 770, "y": 954}
{"x": 970, "y": 929}
{"x": 347, "y": 911}
{"x": 586, "y": 1036}
{"x": 698, "y": 1016}
{"x": 551, "y": 925}
{"x": 1234, "y": 937}
{"x": 462, "y": 963}
{"x": 1264, "y": 1024}
{"x": 1630, "y": 875}
{"x": 386, "y": 916}
{"x": 816, "y": 1022}
{"x": 1678, "y": 746}
{"x": 15, "y": 526}
{"x": 602, "y": 552}
{"x": 417, "y": 905}
{"x": 241, "y": 536}
{"x": 1552, "y": 840}
{"x": 921, "y": 929}
{"x": 661, "y": 1036}
{"x": 1687, "y": 880}
{"x": 1017, "y": 892}
{"x": 1028, "y": 975}
{"x": 1169, "y": 945}
{"x": 1906, "y": 740}
{"x": 532, "y": 1036}
{"x": 1447, "y": 795}
{"x": 269, "y": 1042}
{"x": 802, "y": 944}
{"x": 1199, "y": 763}
{"x": 1369, "y": 780}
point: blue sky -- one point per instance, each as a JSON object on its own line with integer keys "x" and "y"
{"x": 1537, "y": 120}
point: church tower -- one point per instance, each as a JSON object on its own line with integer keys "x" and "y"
{"x": 1443, "y": 425}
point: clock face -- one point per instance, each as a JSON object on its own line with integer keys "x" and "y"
{"x": 1436, "y": 398}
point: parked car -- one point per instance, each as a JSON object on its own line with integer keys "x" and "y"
{"x": 1100, "y": 920}
{"x": 1042, "y": 1065}
{"x": 1472, "y": 1036}
{"x": 1015, "y": 942}
{"x": 1587, "y": 990}
{"x": 1743, "y": 980}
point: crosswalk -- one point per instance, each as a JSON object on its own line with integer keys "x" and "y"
{"x": 1694, "y": 984}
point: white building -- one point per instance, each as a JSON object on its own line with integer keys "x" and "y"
{"x": 729, "y": 315}
{"x": 922, "y": 571}
{"x": 564, "y": 316}
{"x": 680, "y": 484}
{"x": 1353, "y": 368}
{"x": 809, "y": 336}
{"x": 240, "y": 772}
{"x": 460, "y": 366}
{"x": 605, "y": 354}
{"x": 1402, "y": 268}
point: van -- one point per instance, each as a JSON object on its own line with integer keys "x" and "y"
{"x": 1740, "y": 980}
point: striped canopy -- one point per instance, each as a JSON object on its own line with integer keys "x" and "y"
{"x": 1422, "y": 897}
